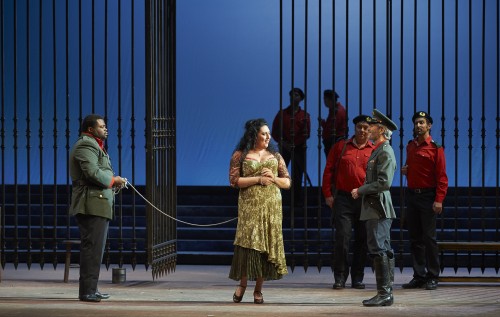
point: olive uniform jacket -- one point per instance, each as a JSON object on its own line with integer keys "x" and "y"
{"x": 92, "y": 175}
{"x": 379, "y": 174}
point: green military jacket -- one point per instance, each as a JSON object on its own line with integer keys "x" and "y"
{"x": 92, "y": 174}
{"x": 379, "y": 174}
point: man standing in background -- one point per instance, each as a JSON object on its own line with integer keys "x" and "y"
{"x": 425, "y": 170}
{"x": 295, "y": 131}
{"x": 335, "y": 125}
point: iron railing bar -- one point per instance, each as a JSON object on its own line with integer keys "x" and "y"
{"x": 55, "y": 131}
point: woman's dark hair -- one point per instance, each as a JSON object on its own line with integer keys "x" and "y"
{"x": 90, "y": 121}
{"x": 247, "y": 141}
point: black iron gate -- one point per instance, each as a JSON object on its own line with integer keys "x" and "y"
{"x": 160, "y": 129}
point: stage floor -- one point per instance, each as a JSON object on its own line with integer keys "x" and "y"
{"x": 206, "y": 291}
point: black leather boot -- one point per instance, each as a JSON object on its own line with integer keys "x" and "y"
{"x": 384, "y": 290}
{"x": 392, "y": 264}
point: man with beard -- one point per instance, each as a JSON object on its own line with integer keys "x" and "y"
{"x": 92, "y": 201}
{"x": 425, "y": 170}
{"x": 345, "y": 170}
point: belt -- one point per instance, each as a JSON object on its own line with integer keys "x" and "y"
{"x": 421, "y": 190}
{"x": 344, "y": 193}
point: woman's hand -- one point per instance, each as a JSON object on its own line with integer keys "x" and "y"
{"x": 267, "y": 177}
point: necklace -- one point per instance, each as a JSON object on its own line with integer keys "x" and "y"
{"x": 258, "y": 152}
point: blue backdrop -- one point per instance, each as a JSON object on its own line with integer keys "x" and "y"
{"x": 228, "y": 71}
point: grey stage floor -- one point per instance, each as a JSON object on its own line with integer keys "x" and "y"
{"x": 206, "y": 291}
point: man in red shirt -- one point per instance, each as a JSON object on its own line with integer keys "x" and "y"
{"x": 335, "y": 125}
{"x": 345, "y": 170}
{"x": 425, "y": 170}
{"x": 291, "y": 129}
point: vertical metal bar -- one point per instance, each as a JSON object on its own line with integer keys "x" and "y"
{"x": 429, "y": 56}
{"x": 55, "y": 132}
{"x": 402, "y": 203}
{"x": 347, "y": 56}
{"x": 40, "y": 138}
{"x": 360, "y": 79}
{"x": 106, "y": 59}
{"x": 497, "y": 190}
{"x": 173, "y": 89}
{"x": 133, "y": 247}
{"x": 80, "y": 118}
{"x": 332, "y": 232}
{"x": 442, "y": 93}
{"x": 28, "y": 137}
{"x": 333, "y": 48}
{"x": 389, "y": 57}
{"x": 414, "y": 55}
{"x": 92, "y": 50}
{"x": 15, "y": 135}
{"x": 443, "y": 119}
{"x": 483, "y": 133}
{"x": 107, "y": 245}
{"x": 456, "y": 134}
{"x": 304, "y": 173}
{"x": 119, "y": 135}
{"x": 68, "y": 121}
{"x": 318, "y": 201}
{"x": 148, "y": 125}
{"x": 2, "y": 145}
{"x": 469, "y": 194}
{"x": 292, "y": 204}
{"x": 374, "y": 30}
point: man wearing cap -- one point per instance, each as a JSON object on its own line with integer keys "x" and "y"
{"x": 425, "y": 170}
{"x": 346, "y": 169}
{"x": 291, "y": 129}
{"x": 335, "y": 125}
{"x": 377, "y": 209}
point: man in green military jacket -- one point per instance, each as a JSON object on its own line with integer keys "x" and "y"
{"x": 92, "y": 200}
{"x": 376, "y": 208}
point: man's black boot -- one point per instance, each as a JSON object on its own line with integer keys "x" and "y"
{"x": 384, "y": 290}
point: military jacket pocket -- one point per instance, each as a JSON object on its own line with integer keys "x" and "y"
{"x": 97, "y": 200}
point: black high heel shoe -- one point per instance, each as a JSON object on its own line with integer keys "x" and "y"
{"x": 237, "y": 298}
{"x": 258, "y": 300}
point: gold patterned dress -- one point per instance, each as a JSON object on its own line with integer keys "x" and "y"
{"x": 258, "y": 244}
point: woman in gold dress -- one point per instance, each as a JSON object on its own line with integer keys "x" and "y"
{"x": 259, "y": 171}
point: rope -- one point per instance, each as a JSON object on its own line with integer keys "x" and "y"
{"x": 178, "y": 220}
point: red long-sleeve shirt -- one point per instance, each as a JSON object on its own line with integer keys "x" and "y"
{"x": 427, "y": 167}
{"x": 351, "y": 168}
{"x": 340, "y": 123}
{"x": 302, "y": 126}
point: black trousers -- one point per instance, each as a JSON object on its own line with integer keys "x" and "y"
{"x": 421, "y": 221}
{"x": 347, "y": 211}
{"x": 298, "y": 169}
{"x": 93, "y": 233}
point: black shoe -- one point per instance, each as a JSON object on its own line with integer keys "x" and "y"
{"x": 90, "y": 298}
{"x": 379, "y": 300}
{"x": 101, "y": 295}
{"x": 414, "y": 283}
{"x": 358, "y": 285}
{"x": 339, "y": 285}
{"x": 431, "y": 284}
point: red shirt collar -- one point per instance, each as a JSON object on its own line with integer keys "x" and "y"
{"x": 99, "y": 141}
